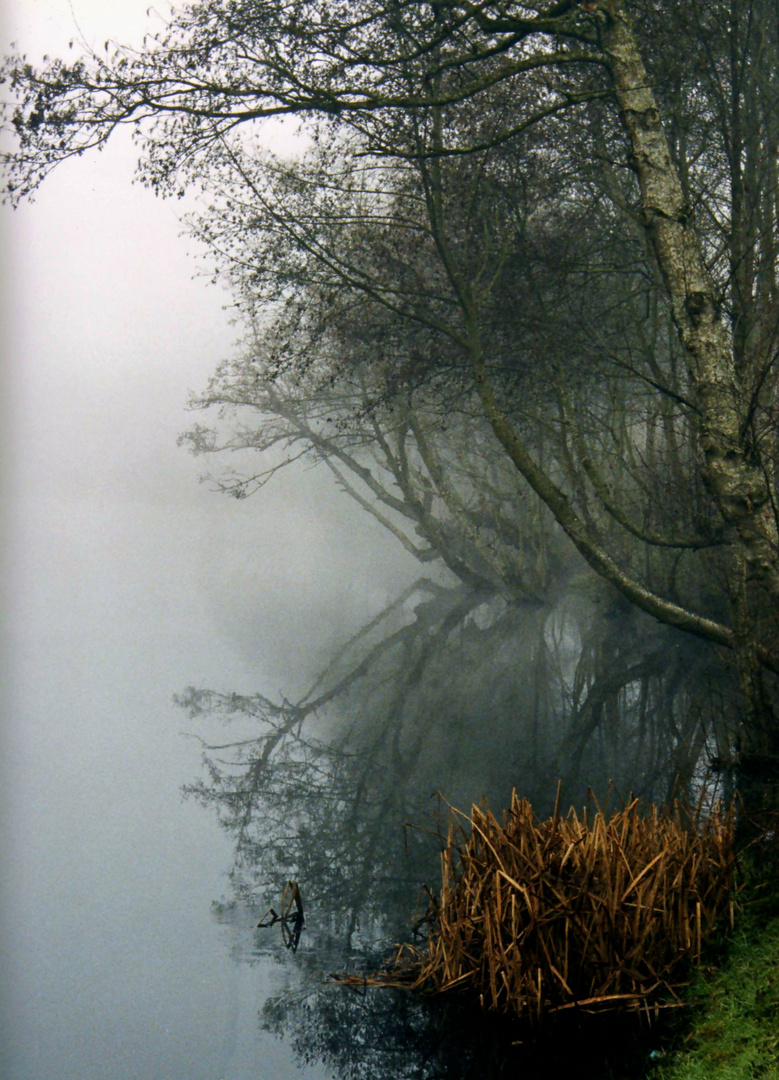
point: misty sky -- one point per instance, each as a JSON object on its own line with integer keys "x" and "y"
{"x": 124, "y": 582}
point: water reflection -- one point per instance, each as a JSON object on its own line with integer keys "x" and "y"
{"x": 389, "y": 1034}
{"x": 452, "y": 690}
{"x": 386, "y": 1036}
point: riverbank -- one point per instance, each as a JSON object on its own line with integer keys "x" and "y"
{"x": 734, "y": 1033}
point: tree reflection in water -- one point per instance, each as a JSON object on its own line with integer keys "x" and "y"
{"x": 449, "y": 690}
{"x": 390, "y": 1035}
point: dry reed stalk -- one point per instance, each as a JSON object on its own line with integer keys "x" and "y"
{"x": 572, "y": 912}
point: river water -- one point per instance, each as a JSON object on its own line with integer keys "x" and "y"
{"x": 124, "y": 582}
{"x": 116, "y": 964}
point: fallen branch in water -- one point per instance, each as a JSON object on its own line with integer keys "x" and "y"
{"x": 292, "y": 922}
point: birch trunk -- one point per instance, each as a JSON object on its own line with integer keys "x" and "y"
{"x": 732, "y": 471}
{"x": 732, "y": 474}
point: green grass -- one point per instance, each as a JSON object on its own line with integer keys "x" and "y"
{"x": 734, "y": 1030}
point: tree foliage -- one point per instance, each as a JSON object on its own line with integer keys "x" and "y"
{"x": 519, "y": 293}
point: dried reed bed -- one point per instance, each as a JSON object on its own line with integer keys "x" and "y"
{"x": 579, "y": 911}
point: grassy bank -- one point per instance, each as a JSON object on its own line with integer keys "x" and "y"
{"x": 734, "y": 1032}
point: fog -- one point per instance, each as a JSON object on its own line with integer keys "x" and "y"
{"x": 328, "y": 686}
{"x": 125, "y": 580}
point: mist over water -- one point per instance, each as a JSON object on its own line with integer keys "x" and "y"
{"x": 126, "y": 580}
{"x": 333, "y": 694}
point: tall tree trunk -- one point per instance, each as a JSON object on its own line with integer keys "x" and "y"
{"x": 732, "y": 471}
{"x": 733, "y": 476}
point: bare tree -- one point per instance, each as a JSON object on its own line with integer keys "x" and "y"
{"x": 454, "y": 111}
